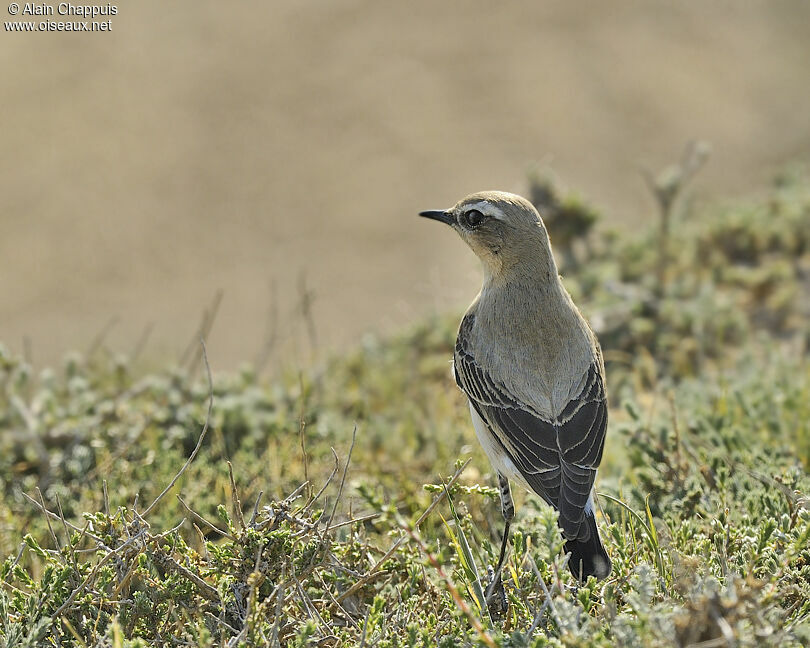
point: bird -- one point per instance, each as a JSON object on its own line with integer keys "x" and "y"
{"x": 532, "y": 370}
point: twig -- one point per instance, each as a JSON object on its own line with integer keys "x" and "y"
{"x": 677, "y": 429}
{"x": 666, "y": 187}
{"x": 200, "y": 518}
{"x": 326, "y": 484}
{"x": 271, "y": 335}
{"x": 199, "y": 441}
{"x": 237, "y": 505}
{"x": 343, "y": 479}
{"x": 302, "y": 426}
{"x": 206, "y": 330}
{"x": 140, "y": 345}
{"x": 398, "y": 543}
{"x": 292, "y": 496}
{"x": 201, "y": 536}
{"x": 28, "y": 355}
{"x": 167, "y": 533}
{"x": 206, "y": 322}
{"x": 56, "y": 517}
{"x": 365, "y": 627}
{"x": 167, "y": 562}
{"x": 274, "y": 639}
{"x": 95, "y": 345}
{"x": 717, "y": 642}
{"x": 364, "y": 518}
{"x": 256, "y": 507}
{"x": 537, "y": 618}
{"x": 312, "y": 611}
{"x": 539, "y": 577}
{"x": 48, "y": 521}
{"x": 124, "y": 582}
{"x": 67, "y": 533}
{"x": 220, "y": 621}
{"x": 462, "y": 606}
{"x": 106, "y": 499}
{"x": 343, "y": 611}
{"x": 92, "y": 575}
{"x": 307, "y": 297}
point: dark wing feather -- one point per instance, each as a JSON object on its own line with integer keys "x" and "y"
{"x": 559, "y": 458}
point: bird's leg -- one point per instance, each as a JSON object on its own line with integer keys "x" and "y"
{"x": 495, "y": 594}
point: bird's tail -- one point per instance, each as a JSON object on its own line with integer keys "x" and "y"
{"x": 588, "y": 557}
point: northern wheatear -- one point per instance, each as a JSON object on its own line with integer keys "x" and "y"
{"x": 533, "y": 373}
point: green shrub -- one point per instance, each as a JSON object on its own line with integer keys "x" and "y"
{"x": 704, "y": 482}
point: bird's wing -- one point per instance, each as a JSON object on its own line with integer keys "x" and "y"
{"x": 558, "y": 458}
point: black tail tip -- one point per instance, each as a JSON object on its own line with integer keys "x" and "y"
{"x": 588, "y": 557}
{"x": 587, "y": 561}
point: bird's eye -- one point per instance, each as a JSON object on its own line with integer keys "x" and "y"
{"x": 473, "y": 218}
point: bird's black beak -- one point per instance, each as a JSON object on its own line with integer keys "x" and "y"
{"x": 439, "y": 215}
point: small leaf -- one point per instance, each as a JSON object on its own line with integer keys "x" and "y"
{"x": 34, "y": 546}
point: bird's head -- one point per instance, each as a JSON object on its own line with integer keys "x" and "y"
{"x": 505, "y": 231}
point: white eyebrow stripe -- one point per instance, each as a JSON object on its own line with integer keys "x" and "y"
{"x": 486, "y": 208}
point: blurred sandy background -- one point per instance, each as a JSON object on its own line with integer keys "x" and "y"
{"x": 203, "y": 145}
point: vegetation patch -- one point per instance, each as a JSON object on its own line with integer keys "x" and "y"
{"x": 349, "y": 505}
